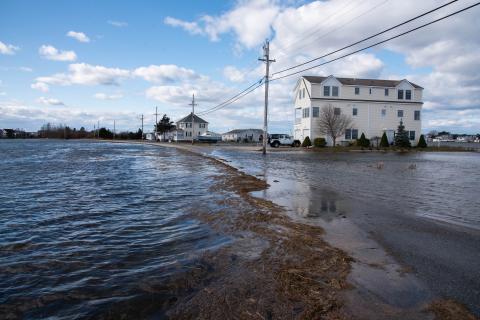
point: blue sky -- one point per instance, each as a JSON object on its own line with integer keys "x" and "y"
{"x": 144, "y": 54}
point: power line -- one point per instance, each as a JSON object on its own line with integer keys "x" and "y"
{"x": 377, "y": 43}
{"x": 365, "y": 39}
{"x": 219, "y": 106}
{"x": 342, "y": 26}
{"x": 317, "y": 28}
{"x": 237, "y": 97}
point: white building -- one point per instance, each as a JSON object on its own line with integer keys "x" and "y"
{"x": 172, "y": 135}
{"x": 243, "y": 135}
{"x": 375, "y": 106}
{"x": 200, "y": 127}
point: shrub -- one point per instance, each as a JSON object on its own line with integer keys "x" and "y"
{"x": 363, "y": 142}
{"x": 401, "y": 138}
{"x": 306, "y": 142}
{"x": 319, "y": 142}
{"x": 384, "y": 142}
{"x": 421, "y": 142}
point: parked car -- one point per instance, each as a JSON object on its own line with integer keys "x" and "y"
{"x": 277, "y": 140}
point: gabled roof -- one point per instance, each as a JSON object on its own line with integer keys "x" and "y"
{"x": 189, "y": 119}
{"x": 361, "y": 82}
{"x": 242, "y": 130}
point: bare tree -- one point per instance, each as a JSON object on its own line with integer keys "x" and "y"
{"x": 332, "y": 123}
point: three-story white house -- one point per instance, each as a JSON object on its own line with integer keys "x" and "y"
{"x": 375, "y": 106}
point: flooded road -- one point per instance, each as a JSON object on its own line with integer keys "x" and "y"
{"x": 411, "y": 221}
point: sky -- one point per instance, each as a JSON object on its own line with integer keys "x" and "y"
{"x": 83, "y": 62}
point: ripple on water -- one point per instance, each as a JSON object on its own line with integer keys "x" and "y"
{"x": 84, "y": 225}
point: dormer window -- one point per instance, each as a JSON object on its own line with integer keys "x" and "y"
{"x": 408, "y": 94}
{"x": 326, "y": 91}
{"x": 400, "y": 94}
{"x": 357, "y": 90}
{"x": 335, "y": 91}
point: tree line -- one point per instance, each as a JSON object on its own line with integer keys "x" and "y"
{"x": 61, "y": 131}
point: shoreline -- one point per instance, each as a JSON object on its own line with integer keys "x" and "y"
{"x": 366, "y": 269}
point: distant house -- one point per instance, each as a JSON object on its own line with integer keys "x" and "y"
{"x": 376, "y": 106}
{"x": 172, "y": 135}
{"x": 149, "y": 136}
{"x": 200, "y": 127}
{"x": 243, "y": 135}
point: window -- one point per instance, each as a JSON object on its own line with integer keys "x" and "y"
{"x": 355, "y": 134}
{"x": 412, "y": 135}
{"x": 201, "y": 125}
{"x": 386, "y": 92}
{"x": 400, "y": 113}
{"x": 354, "y": 111}
{"x": 384, "y": 112}
{"x": 400, "y": 94}
{"x": 188, "y": 125}
{"x": 303, "y": 92}
{"x": 335, "y": 91}
{"x": 357, "y": 90}
{"x": 306, "y": 113}
{"x": 348, "y": 134}
{"x": 299, "y": 94}
{"x": 370, "y": 90}
{"x": 326, "y": 91}
{"x": 408, "y": 94}
{"x": 416, "y": 115}
{"x": 336, "y": 111}
{"x": 315, "y": 112}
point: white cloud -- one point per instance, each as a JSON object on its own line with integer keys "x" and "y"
{"x": 51, "y": 53}
{"x": 80, "y": 36}
{"x": 233, "y": 74}
{"x": 9, "y": 49}
{"x": 191, "y": 27}
{"x": 165, "y": 73}
{"x": 50, "y": 101}
{"x": 41, "y": 86}
{"x": 83, "y": 74}
{"x": 104, "y": 96}
{"x": 2, "y": 93}
{"x": 250, "y": 21}
{"x": 118, "y": 24}
{"x": 26, "y": 69}
{"x": 17, "y": 114}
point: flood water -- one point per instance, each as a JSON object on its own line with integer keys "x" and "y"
{"x": 437, "y": 185}
{"x": 85, "y": 227}
{"x": 95, "y": 230}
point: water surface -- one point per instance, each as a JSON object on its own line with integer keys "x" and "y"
{"x": 85, "y": 226}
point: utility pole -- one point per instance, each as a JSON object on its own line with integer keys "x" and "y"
{"x": 113, "y": 129}
{"x": 267, "y": 60}
{"x": 98, "y": 129}
{"x": 156, "y": 121}
{"x": 142, "y": 127}
{"x": 193, "y": 104}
